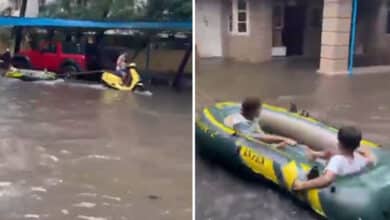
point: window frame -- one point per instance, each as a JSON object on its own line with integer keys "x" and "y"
{"x": 233, "y": 18}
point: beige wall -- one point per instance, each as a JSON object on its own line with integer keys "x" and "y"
{"x": 335, "y": 36}
{"x": 257, "y": 46}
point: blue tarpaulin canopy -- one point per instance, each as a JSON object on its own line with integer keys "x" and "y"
{"x": 65, "y": 23}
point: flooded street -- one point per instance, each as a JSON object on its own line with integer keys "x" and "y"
{"x": 361, "y": 100}
{"x": 71, "y": 151}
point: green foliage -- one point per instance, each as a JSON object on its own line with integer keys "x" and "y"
{"x": 96, "y": 10}
{"x": 178, "y": 10}
{"x": 156, "y": 10}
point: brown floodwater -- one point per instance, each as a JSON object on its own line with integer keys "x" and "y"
{"x": 360, "y": 100}
{"x": 77, "y": 151}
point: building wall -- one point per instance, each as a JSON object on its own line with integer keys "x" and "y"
{"x": 336, "y": 24}
{"x": 214, "y": 39}
{"x": 208, "y": 28}
{"x": 257, "y": 45}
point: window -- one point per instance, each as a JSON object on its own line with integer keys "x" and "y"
{"x": 49, "y": 48}
{"x": 72, "y": 48}
{"x": 238, "y": 18}
{"x": 242, "y": 16}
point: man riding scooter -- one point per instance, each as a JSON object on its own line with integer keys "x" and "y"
{"x": 128, "y": 73}
{"x": 121, "y": 67}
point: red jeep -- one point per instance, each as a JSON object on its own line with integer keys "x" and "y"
{"x": 60, "y": 57}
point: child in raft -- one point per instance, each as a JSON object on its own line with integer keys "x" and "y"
{"x": 247, "y": 122}
{"x": 348, "y": 159}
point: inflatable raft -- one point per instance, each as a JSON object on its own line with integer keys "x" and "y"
{"x": 30, "y": 75}
{"x": 365, "y": 195}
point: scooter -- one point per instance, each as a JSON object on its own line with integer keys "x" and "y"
{"x": 113, "y": 80}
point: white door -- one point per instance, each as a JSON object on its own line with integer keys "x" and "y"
{"x": 208, "y": 28}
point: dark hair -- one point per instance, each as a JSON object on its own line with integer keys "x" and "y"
{"x": 250, "y": 104}
{"x": 349, "y": 137}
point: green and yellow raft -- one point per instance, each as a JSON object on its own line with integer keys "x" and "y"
{"x": 30, "y": 75}
{"x": 365, "y": 195}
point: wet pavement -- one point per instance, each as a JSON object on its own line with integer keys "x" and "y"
{"x": 360, "y": 100}
{"x": 74, "y": 151}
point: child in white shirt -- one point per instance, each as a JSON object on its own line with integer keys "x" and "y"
{"x": 349, "y": 159}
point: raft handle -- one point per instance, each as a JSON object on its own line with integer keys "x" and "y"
{"x": 238, "y": 150}
{"x": 332, "y": 189}
{"x": 313, "y": 173}
{"x": 293, "y": 108}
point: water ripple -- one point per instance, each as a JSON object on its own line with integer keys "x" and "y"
{"x": 90, "y": 217}
{"x": 85, "y": 205}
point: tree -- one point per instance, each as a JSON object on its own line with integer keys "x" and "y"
{"x": 157, "y": 10}
{"x": 92, "y": 10}
{"x": 178, "y": 10}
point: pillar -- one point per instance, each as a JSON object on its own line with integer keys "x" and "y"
{"x": 336, "y": 28}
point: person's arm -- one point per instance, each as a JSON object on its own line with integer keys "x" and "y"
{"x": 313, "y": 155}
{"x": 332, "y": 169}
{"x": 367, "y": 154}
{"x": 319, "y": 182}
{"x": 270, "y": 138}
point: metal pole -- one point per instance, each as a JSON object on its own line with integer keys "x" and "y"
{"x": 180, "y": 71}
{"x": 23, "y": 8}
{"x": 353, "y": 36}
{"x": 147, "y": 62}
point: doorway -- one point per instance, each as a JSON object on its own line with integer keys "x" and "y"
{"x": 293, "y": 30}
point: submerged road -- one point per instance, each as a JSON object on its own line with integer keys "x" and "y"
{"x": 360, "y": 100}
{"x": 74, "y": 151}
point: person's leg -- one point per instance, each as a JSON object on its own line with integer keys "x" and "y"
{"x": 118, "y": 73}
{"x": 122, "y": 74}
{"x": 127, "y": 78}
